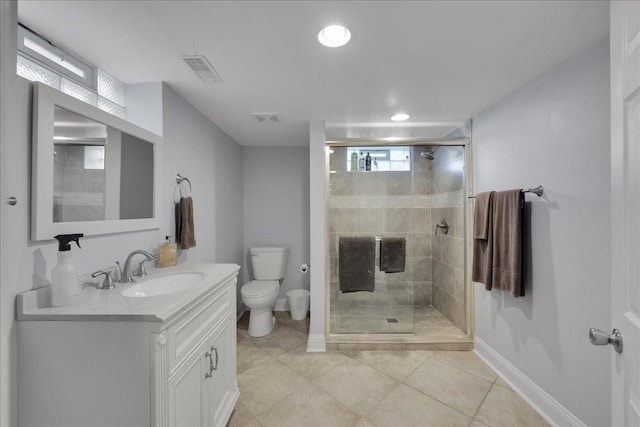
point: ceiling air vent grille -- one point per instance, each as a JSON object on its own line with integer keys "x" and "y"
{"x": 203, "y": 68}
{"x": 266, "y": 117}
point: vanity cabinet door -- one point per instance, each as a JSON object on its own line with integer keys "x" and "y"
{"x": 221, "y": 385}
{"x": 202, "y": 390}
{"x": 186, "y": 391}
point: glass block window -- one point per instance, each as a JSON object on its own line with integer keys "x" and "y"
{"x": 110, "y": 88}
{"x": 35, "y": 73}
{"x": 38, "y": 60}
{"x": 110, "y": 107}
{"x": 39, "y": 49}
{"x": 382, "y": 159}
{"x": 77, "y": 91}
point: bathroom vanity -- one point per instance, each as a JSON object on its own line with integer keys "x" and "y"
{"x": 118, "y": 360}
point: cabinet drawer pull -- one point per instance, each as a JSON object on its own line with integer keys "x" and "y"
{"x": 210, "y": 356}
{"x": 212, "y": 368}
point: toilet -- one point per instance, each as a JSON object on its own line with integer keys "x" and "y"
{"x": 269, "y": 264}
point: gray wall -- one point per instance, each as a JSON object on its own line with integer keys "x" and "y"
{"x": 555, "y": 132}
{"x": 192, "y": 145}
{"x": 198, "y": 149}
{"x": 276, "y": 207}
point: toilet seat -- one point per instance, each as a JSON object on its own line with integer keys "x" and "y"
{"x": 257, "y": 288}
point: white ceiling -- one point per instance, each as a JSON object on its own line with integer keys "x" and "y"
{"x": 440, "y": 61}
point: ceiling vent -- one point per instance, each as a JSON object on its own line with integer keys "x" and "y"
{"x": 203, "y": 68}
{"x": 266, "y": 117}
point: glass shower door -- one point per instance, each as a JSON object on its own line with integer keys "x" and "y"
{"x": 375, "y": 204}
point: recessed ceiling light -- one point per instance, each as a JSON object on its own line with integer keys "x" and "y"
{"x": 334, "y": 36}
{"x": 400, "y": 117}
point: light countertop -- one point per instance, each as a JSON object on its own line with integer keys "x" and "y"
{"x": 100, "y": 305}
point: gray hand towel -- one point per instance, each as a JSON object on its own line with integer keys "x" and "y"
{"x": 392, "y": 254}
{"x": 356, "y": 263}
{"x": 507, "y": 242}
{"x": 483, "y": 239}
{"x": 185, "y": 233}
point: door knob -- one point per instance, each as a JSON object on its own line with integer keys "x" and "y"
{"x": 599, "y": 337}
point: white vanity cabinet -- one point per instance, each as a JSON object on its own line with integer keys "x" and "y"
{"x": 202, "y": 390}
{"x": 112, "y": 370}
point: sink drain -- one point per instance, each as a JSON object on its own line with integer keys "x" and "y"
{"x": 392, "y": 320}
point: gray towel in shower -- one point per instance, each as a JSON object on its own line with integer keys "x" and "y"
{"x": 356, "y": 264}
{"x": 392, "y": 254}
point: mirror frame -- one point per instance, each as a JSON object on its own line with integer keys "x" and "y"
{"x": 45, "y": 99}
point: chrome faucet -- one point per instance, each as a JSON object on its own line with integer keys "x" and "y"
{"x": 125, "y": 272}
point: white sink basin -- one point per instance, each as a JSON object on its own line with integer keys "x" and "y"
{"x": 163, "y": 285}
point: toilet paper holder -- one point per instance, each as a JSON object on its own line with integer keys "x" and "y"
{"x": 304, "y": 268}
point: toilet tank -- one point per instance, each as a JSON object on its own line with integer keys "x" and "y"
{"x": 269, "y": 262}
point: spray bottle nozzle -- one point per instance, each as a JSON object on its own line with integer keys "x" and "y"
{"x": 64, "y": 241}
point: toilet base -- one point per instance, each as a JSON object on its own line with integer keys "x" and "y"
{"x": 261, "y": 322}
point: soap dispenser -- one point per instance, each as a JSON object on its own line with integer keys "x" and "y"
{"x": 64, "y": 277}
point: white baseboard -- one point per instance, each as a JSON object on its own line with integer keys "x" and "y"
{"x": 549, "y": 408}
{"x": 316, "y": 344}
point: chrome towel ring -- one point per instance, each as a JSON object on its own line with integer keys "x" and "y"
{"x": 179, "y": 180}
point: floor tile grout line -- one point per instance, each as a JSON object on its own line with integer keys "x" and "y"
{"x": 286, "y": 397}
{"x": 469, "y": 372}
{"x": 483, "y": 400}
{"x": 397, "y": 383}
{"x": 438, "y": 400}
{"x": 257, "y": 364}
{"x": 382, "y": 372}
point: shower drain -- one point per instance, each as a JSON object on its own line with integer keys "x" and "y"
{"x": 392, "y": 320}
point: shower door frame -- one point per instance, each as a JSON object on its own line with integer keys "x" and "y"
{"x": 381, "y": 338}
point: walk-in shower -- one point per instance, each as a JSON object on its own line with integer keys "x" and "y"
{"x": 405, "y": 192}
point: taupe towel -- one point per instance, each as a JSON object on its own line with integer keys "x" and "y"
{"x": 185, "y": 233}
{"x": 483, "y": 239}
{"x": 356, "y": 263}
{"x": 392, "y": 254}
{"x": 481, "y": 215}
{"x": 507, "y": 242}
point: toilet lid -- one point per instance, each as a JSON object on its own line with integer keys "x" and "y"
{"x": 259, "y": 287}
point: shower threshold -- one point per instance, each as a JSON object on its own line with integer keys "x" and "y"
{"x": 421, "y": 328}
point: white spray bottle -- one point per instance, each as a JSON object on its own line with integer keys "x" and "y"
{"x": 64, "y": 277}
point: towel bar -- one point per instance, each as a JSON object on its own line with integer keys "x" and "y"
{"x": 538, "y": 191}
{"x": 377, "y": 238}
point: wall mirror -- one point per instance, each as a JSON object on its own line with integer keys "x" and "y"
{"x": 92, "y": 172}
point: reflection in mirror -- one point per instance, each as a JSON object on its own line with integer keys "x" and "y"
{"x": 100, "y": 173}
{"x": 78, "y": 173}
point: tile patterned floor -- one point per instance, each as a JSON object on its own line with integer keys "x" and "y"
{"x": 283, "y": 385}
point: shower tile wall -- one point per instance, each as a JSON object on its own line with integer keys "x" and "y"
{"x": 447, "y": 251}
{"x": 78, "y": 192}
{"x": 404, "y": 204}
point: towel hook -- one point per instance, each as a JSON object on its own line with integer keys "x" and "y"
{"x": 179, "y": 180}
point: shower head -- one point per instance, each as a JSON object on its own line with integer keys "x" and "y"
{"x": 429, "y": 153}
{"x": 426, "y": 155}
